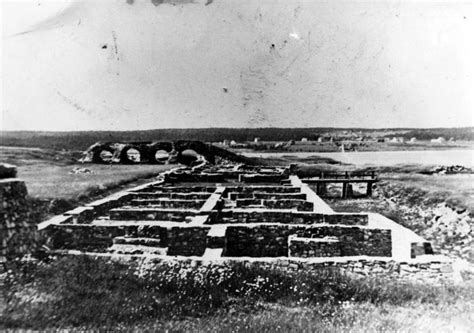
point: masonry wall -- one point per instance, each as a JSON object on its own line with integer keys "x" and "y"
{"x": 16, "y": 235}
{"x": 277, "y": 204}
{"x": 86, "y": 237}
{"x": 436, "y": 272}
{"x": 272, "y": 240}
{"x": 150, "y": 214}
{"x": 314, "y": 247}
{"x": 290, "y": 218}
{"x": 187, "y": 241}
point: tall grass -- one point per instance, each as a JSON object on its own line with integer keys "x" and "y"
{"x": 93, "y": 292}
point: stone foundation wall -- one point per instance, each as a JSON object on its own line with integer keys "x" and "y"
{"x": 272, "y": 240}
{"x": 178, "y": 189}
{"x": 261, "y": 178}
{"x": 435, "y": 272}
{"x": 193, "y": 177}
{"x": 171, "y": 196}
{"x": 290, "y": 218}
{"x": 187, "y": 241}
{"x": 16, "y": 235}
{"x": 176, "y": 215}
{"x": 314, "y": 247}
{"x": 185, "y": 204}
{"x": 251, "y": 190}
{"x": 277, "y": 204}
{"x": 354, "y": 241}
{"x": 86, "y": 237}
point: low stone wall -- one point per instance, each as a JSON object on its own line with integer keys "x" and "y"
{"x": 194, "y": 177}
{"x": 103, "y": 205}
{"x": 314, "y": 247}
{"x": 272, "y": 240}
{"x": 171, "y": 196}
{"x": 150, "y": 214}
{"x": 185, "y": 204}
{"x": 261, "y": 178}
{"x": 16, "y": 235}
{"x": 354, "y": 241}
{"x": 86, "y": 237}
{"x": 273, "y": 196}
{"x": 269, "y": 216}
{"x": 250, "y": 190}
{"x": 177, "y": 189}
{"x": 421, "y": 272}
{"x": 433, "y": 272}
{"x": 277, "y": 204}
{"x": 262, "y": 241}
{"x": 187, "y": 241}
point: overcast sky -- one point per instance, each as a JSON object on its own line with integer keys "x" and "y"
{"x": 142, "y": 64}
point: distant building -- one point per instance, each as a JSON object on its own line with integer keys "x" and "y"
{"x": 225, "y": 142}
{"x": 233, "y": 143}
{"x": 439, "y": 140}
{"x": 413, "y": 140}
{"x": 399, "y": 139}
{"x": 304, "y": 140}
{"x": 320, "y": 139}
{"x": 256, "y": 140}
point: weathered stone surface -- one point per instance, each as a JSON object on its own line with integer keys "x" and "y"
{"x": 86, "y": 237}
{"x": 284, "y": 217}
{"x": 276, "y": 204}
{"x": 187, "y": 241}
{"x": 151, "y": 214}
{"x": 7, "y": 171}
{"x": 314, "y": 247}
{"x": 272, "y": 240}
{"x": 16, "y": 235}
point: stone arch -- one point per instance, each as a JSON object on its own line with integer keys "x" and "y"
{"x": 127, "y": 158}
{"x": 98, "y": 153}
{"x": 152, "y": 149}
{"x": 197, "y": 146}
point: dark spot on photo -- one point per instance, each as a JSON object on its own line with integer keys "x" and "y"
{"x": 104, "y": 46}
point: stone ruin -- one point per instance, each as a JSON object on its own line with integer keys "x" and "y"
{"x": 236, "y": 213}
{"x": 16, "y": 235}
{"x": 160, "y": 152}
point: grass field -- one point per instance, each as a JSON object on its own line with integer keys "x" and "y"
{"x": 49, "y": 174}
{"x": 58, "y": 181}
{"x": 88, "y": 293}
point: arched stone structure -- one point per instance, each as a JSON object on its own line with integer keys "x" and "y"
{"x": 148, "y": 150}
{"x": 153, "y": 148}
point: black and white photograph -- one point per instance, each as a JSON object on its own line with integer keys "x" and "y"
{"x": 237, "y": 166}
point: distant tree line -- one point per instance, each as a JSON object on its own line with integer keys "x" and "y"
{"x": 83, "y": 139}
{"x": 465, "y": 133}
